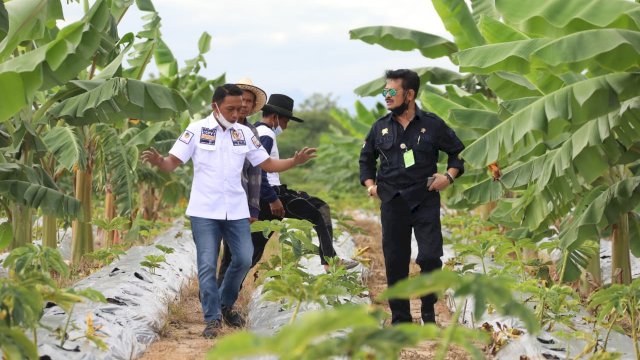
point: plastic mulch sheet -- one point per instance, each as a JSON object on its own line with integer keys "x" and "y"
{"x": 136, "y": 307}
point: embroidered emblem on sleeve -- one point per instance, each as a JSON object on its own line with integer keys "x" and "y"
{"x": 256, "y": 142}
{"x": 186, "y": 137}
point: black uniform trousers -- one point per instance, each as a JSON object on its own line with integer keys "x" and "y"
{"x": 398, "y": 220}
{"x": 297, "y": 205}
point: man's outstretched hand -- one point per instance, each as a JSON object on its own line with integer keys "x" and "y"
{"x": 166, "y": 164}
{"x": 151, "y": 156}
{"x": 304, "y": 155}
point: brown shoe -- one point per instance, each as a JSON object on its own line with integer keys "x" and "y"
{"x": 231, "y": 317}
{"x": 211, "y": 329}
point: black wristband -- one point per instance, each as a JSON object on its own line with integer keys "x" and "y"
{"x": 449, "y": 177}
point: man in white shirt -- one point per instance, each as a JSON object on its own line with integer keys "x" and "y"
{"x": 218, "y": 208}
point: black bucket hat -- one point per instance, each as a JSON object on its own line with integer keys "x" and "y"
{"x": 281, "y": 105}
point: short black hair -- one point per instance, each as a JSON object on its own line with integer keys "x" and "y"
{"x": 225, "y": 90}
{"x": 410, "y": 78}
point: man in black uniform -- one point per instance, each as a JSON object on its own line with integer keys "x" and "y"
{"x": 407, "y": 141}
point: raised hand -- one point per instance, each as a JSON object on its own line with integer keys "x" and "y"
{"x": 304, "y": 155}
{"x": 151, "y": 156}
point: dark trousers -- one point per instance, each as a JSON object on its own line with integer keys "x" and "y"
{"x": 397, "y": 223}
{"x": 297, "y": 205}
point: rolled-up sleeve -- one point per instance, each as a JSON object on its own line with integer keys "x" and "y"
{"x": 368, "y": 157}
{"x": 451, "y": 144}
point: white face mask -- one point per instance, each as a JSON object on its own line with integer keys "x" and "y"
{"x": 224, "y": 122}
{"x": 278, "y": 130}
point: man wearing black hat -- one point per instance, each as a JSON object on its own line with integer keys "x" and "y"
{"x": 276, "y": 200}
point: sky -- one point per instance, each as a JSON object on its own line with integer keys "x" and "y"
{"x": 291, "y": 47}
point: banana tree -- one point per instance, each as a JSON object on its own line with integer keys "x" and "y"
{"x": 577, "y": 138}
{"x": 564, "y": 75}
{"x": 35, "y": 58}
{"x": 38, "y": 75}
{"x": 157, "y": 189}
{"x": 107, "y": 102}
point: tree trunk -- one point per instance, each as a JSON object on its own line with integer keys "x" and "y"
{"x": 485, "y": 209}
{"x": 49, "y": 231}
{"x": 109, "y": 214}
{"x": 591, "y": 279}
{"x": 147, "y": 201}
{"x": 82, "y": 242}
{"x": 621, "y": 262}
{"x": 22, "y": 226}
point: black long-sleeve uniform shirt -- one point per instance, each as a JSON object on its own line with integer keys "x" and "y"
{"x": 426, "y": 135}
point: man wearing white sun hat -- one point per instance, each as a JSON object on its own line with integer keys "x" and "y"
{"x": 253, "y": 99}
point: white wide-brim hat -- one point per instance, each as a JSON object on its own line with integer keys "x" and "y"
{"x": 261, "y": 96}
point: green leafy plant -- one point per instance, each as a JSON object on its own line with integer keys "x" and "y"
{"x": 617, "y": 302}
{"x": 67, "y": 301}
{"x": 296, "y": 286}
{"x": 292, "y": 233}
{"x": 165, "y": 249}
{"x": 152, "y": 262}
{"x": 554, "y": 303}
{"x": 286, "y": 280}
{"x": 117, "y": 223}
{"x": 25, "y": 291}
{"x": 106, "y": 256}
{"x": 30, "y": 259}
{"x": 349, "y": 330}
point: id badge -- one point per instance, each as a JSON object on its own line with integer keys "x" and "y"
{"x": 237, "y": 138}
{"x": 208, "y": 136}
{"x": 408, "y": 158}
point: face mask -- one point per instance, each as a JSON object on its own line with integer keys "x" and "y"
{"x": 224, "y": 122}
{"x": 400, "y": 109}
{"x": 278, "y": 130}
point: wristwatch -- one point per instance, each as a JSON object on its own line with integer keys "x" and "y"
{"x": 449, "y": 177}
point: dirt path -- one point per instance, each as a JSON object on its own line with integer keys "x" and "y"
{"x": 377, "y": 283}
{"x": 180, "y": 338}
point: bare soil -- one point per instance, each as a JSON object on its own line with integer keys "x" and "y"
{"x": 180, "y": 338}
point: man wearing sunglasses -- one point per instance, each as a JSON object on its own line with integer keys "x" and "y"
{"x": 406, "y": 143}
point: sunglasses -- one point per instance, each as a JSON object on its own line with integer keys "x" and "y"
{"x": 391, "y": 92}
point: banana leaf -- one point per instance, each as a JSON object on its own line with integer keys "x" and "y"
{"x": 397, "y": 38}
{"x": 114, "y": 99}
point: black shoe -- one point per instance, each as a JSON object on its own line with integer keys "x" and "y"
{"x": 211, "y": 329}
{"x": 231, "y": 317}
{"x": 347, "y": 263}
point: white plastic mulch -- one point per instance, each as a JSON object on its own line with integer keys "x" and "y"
{"x": 137, "y": 302}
